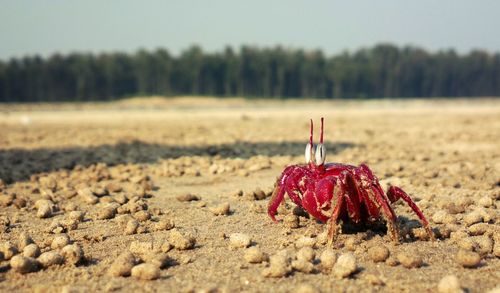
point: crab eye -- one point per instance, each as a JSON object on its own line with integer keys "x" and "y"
{"x": 309, "y": 151}
{"x": 320, "y": 154}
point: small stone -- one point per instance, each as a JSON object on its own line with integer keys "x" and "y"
{"x": 220, "y": 210}
{"x": 141, "y": 247}
{"x": 239, "y": 240}
{"x": 8, "y": 250}
{"x": 180, "y": 241}
{"x": 88, "y": 196}
{"x": 391, "y": 261}
{"x": 305, "y": 241}
{"x": 259, "y": 194}
{"x": 113, "y": 187}
{"x": 449, "y": 284}
{"x": 50, "y": 258}
{"x": 60, "y": 241}
{"x": 352, "y": 243}
{"x": 164, "y": 224}
{"x": 278, "y": 266}
{"x": 410, "y": 260}
{"x": 485, "y": 245}
{"x": 20, "y": 202}
{"x": 485, "y": 201}
{"x": 440, "y": 217}
{"x": 131, "y": 227}
{"x": 468, "y": 259}
{"x": 24, "y": 240}
{"x": 374, "y": 280}
{"x": 142, "y": 216}
{"x": 328, "y": 259}
{"x": 291, "y": 221}
{"x": 146, "y": 271}
{"x": 306, "y": 253}
{"x": 107, "y": 212}
{"x": 44, "y": 207}
{"x": 187, "y": 197}
{"x": 496, "y": 249}
{"x": 378, "y": 253}
{"x": 55, "y": 227}
{"x": 23, "y": 265}
{"x": 478, "y": 229}
{"x": 31, "y": 250}
{"x": 303, "y": 266}
{"x": 345, "y": 265}
{"x": 473, "y": 218}
{"x": 76, "y": 215}
{"x": 255, "y": 255}
{"x": 467, "y": 244}
{"x": 72, "y": 253}
{"x": 122, "y": 266}
{"x": 161, "y": 260}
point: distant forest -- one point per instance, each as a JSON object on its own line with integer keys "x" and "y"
{"x": 382, "y": 71}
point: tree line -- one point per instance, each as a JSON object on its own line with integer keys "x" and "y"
{"x": 381, "y": 71}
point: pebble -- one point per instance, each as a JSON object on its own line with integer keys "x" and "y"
{"x": 23, "y": 264}
{"x": 328, "y": 259}
{"x": 31, "y": 250}
{"x": 187, "y": 197}
{"x": 60, "y": 241}
{"x": 441, "y": 217}
{"x": 345, "y": 265}
{"x": 146, "y": 271}
{"x": 255, "y": 255}
{"x": 478, "y": 229}
{"x": 496, "y": 249}
{"x": 485, "y": 201}
{"x": 180, "y": 241}
{"x": 378, "y": 253}
{"x": 306, "y": 253}
{"x": 485, "y": 245}
{"x": 72, "y": 253}
{"x": 220, "y": 210}
{"x": 113, "y": 187}
{"x": 302, "y": 265}
{"x": 107, "y": 212}
{"x": 373, "y": 279}
{"x": 122, "y": 266}
{"x": 160, "y": 260}
{"x": 87, "y": 196}
{"x": 410, "y": 260}
{"x": 468, "y": 259}
{"x": 305, "y": 241}
{"x": 164, "y": 224}
{"x": 278, "y": 266}
{"x": 131, "y": 227}
{"x": 142, "y": 216}
{"x": 50, "y": 258}
{"x": 291, "y": 221}
{"x": 76, "y": 215}
{"x": 449, "y": 284}
{"x": 44, "y": 208}
{"x": 239, "y": 240}
{"x": 24, "y": 240}
{"x": 259, "y": 194}
{"x": 352, "y": 243}
{"x": 473, "y": 218}
{"x": 8, "y": 250}
{"x": 141, "y": 247}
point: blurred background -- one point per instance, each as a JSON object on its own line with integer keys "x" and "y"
{"x": 105, "y": 50}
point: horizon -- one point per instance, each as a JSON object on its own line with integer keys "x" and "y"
{"x": 34, "y": 28}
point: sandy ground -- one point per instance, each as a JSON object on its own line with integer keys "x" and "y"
{"x": 129, "y": 167}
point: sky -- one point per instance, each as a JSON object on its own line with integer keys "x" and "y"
{"x": 46, "y": 27}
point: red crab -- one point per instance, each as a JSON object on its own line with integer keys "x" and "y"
{"x": 334, "y": 191}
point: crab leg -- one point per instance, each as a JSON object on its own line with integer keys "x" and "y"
{"x": 394, "y": 193}
{"x": 276, "y": 199}
{"x": 339, "y": 194}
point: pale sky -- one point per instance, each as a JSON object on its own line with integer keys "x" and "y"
{"x": 49, "y": 26}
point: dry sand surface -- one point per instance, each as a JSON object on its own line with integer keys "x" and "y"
{"x": 173, "y": 198}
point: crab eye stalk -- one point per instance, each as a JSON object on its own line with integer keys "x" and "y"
{"x": 309, "y": 153}
{"x": 320, "y": 154}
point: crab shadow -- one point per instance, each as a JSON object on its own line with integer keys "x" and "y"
{"x": 20, "y": 164}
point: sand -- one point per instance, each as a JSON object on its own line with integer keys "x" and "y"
{"x": 174, "y": 182}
